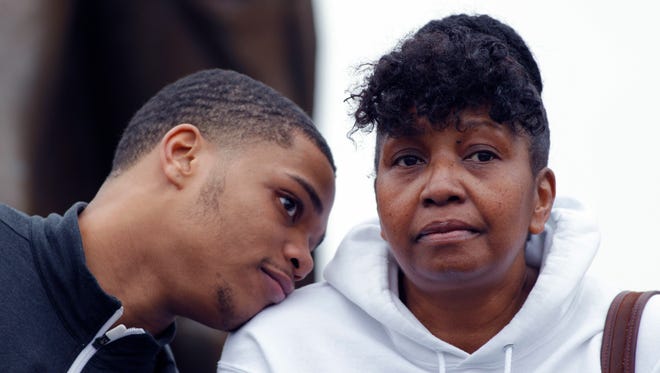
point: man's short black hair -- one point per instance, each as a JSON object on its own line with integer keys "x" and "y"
{"x": 227, "y": 107}
{"x": 451, "y": 64}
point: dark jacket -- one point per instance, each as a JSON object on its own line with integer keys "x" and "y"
{"x": 52, "y": 307}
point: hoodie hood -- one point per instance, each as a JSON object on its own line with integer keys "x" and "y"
{"x": 364, "y": 271}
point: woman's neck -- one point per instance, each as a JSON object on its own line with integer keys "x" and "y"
{"x": 468, "y": 318}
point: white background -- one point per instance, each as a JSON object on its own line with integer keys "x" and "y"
{"x": 599, "y": 61}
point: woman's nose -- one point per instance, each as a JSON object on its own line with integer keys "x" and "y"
{"x": 442, "y": 184}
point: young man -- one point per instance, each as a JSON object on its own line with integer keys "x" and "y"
{"x": 220, "y": 189}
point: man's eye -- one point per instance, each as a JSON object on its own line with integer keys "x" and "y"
{"x": 290, "y": 206}
{"x": 482, "y": 156}
{"x": 407, "y": 161}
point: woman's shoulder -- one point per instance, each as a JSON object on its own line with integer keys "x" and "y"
{"x": 303, "y": 308}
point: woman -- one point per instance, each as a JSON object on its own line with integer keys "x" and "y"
{"x": 472, "y": 265}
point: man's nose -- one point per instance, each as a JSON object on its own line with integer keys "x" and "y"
{"x": 300, "y": 257}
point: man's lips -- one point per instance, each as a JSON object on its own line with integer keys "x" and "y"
{"x": 284, "y": 281}
{"x": 447, "y": 230}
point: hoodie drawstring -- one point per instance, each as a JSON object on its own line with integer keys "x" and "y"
{"x": 441, "y": 363}
{"x": 508, "y": 356}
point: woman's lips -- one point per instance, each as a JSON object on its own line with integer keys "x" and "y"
{"x": 446, "y": 231}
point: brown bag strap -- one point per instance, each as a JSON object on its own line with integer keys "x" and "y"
{"x": 617, "y": 354}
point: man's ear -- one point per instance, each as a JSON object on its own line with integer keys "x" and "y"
{"x": 179, "y": 151}
{"x": 545, "y": 197}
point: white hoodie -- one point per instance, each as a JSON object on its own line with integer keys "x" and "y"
{"x": 355, "y": 322}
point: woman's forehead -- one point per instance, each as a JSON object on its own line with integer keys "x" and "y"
{"x": 465, "y": 121}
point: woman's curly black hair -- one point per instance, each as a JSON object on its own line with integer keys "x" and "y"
{"x": 451, "y": 64}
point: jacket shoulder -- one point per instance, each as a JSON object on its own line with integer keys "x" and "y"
{"x": 13, "y": 223}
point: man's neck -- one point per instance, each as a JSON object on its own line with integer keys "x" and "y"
{"x": 117, "y": 253}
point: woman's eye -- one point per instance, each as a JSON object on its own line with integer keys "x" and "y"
{"x": 290, "y": 206}
{"x": 482, "y": 156}
{"x": 407, "y": 161}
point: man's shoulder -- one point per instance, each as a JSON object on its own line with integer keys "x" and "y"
{"x": 13, "y": 222}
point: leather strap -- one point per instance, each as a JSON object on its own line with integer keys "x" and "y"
{"x": 621, "y": 329}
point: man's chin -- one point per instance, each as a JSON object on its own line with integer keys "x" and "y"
{"x": 235, "y": 326}
{"x": 237, "y": 322}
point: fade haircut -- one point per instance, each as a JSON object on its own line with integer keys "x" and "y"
{"x": 226, "y": 107}
{"x": 448, "y": 65}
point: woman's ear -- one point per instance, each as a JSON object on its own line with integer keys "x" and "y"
{"x": 545, "y": 197}
{"x": 179, "y": 151}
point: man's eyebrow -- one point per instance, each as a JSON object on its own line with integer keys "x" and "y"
{"x": 316, "y": 201}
